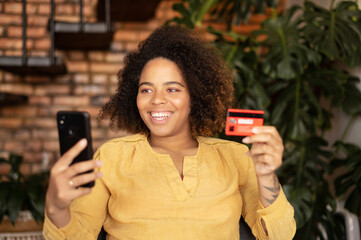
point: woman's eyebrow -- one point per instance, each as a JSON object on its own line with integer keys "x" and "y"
{"x": 165, "y": 84}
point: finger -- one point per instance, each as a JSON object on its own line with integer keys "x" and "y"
{"x": 82, "y": 167}
{"x": 85, "y": 178}
{"x": 262, "y": 148}
{"x": 267, "y": 129}
{"x": 72, "y": 153}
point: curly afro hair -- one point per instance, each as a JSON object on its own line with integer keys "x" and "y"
{"x": 209, "y": 80}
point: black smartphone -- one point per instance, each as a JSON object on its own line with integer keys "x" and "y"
{"x": 73, "y": 126}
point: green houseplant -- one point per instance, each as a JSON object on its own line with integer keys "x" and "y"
{"x": 293, "y": 69}
{"x": 19, "y": 192}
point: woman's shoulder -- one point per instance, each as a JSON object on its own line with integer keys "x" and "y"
{"x": 124, "y": 141}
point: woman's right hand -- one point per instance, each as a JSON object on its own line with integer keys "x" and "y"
{"x": 65, "y": 181}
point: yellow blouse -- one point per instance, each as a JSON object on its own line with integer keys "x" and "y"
{"x": 141, "y": 196}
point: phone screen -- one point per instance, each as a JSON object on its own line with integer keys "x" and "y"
{"x": 73, "y": 126}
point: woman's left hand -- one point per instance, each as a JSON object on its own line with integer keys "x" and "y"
{"x": 266, "y": 151}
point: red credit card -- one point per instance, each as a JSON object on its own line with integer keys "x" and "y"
{"x": 241, "y": 121}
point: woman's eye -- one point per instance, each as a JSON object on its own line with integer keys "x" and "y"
{"x": 172, "y": 90}
{"x": 145, "y": 90}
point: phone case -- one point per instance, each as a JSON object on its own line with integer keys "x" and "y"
{"x": 73, "y": 126}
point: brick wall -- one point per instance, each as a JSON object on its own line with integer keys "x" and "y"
{"x": 30, "y": 129}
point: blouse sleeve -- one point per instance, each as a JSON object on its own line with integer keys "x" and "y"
{"x": 88, "y": 214}
{"x": 278, "y": 217}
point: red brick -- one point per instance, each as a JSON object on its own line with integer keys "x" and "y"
{"x": 114, "y": 80}
{"x": 89, "y": 90}
{"x": 18, "y": 111}
{"x": 100, "y": 78}
{"x": 44, "y": 9}
{"x": 63, "y": 79}
{"x": 8, "y": 43}
{"x": 96, "y": 56}
{"x": 126, "y": 35}
{"x": 37, "y": 79}
{"x": 36, "y": 20}
{"x": 6, "y": 133}
{"x": 34, "y": 145}
{"x": 81, "y": 78}
{"x": 2, "y": 31}
{"x": 93, "y": 111}
{"x": 13, "y": 52}
{"x": 5, "y": 168}
{"x": 7, "y": 19}
{"x": 10, "y": 122}
{"x": 98, "y": 133}
{"x": 144, "y": 35}
{"x": 40, "y": 122}
{"x": 45, "y": 134}
{"x": 51, "y": 89}
{"x": 38, "y": 1}
{"x": 45, "y": 111}
{"x": 39, "y": 100}
{"x": 52, "y": 145}
{"x": 99, "y": 100}
{"x": 25, "y": 168}
{"x": 76, "y": 55}
{"x": 16, "y": 88}
{"x": 42, "y": 44}
{"x": 22, "y": 134}
{"x": 14, "y": 146}
{"x": 65, "y": 9}
{"x": 77, "y": 67}
{"x": 9, "y": 77}
{"x": 33, "y": 157}
{"x": 114, "y": 57}
{"x": 111, "y": 68}
{"x": 130, "y": 46}
{"x": 117, "y": 46}
{"x": 72, "y": 100}
{"x": 16, "y": 8}
{"x": 39, "y": 53}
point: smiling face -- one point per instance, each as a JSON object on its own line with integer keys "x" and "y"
{"x": 163, "y": 99}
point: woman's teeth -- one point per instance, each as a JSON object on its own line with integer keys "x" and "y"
{"x": 160, "y": 116}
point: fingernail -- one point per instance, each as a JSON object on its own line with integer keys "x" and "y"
{"x": 98, "y": 163}
{"x": 255, "y": 130}
{"x": 83, "y": 142}
{"x": 246, "y": 140}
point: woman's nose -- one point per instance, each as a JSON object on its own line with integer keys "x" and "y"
{"x": 159, "y": 98}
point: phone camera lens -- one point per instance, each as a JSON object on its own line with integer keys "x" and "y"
{"x": 71, "y": 132}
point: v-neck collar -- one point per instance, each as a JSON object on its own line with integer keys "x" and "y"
{"x": 182, "y": 189}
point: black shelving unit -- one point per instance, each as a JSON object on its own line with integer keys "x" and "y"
{"x": 7, "y": 99}
{"x": 27, "y": 65}
{"x": 82, "y": 35}
{"x": 128, "y": 10}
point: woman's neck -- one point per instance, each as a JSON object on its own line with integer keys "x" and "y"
{"x": 174, "y": 143}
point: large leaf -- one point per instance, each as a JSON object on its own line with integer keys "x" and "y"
{"x": 235, "y": 12}
{"x": 351, "y": 178}
{"x": 288, "y": 56}
{"x": 335, "y": 33}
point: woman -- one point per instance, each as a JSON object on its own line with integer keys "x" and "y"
{"x": 170, "y": 180}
